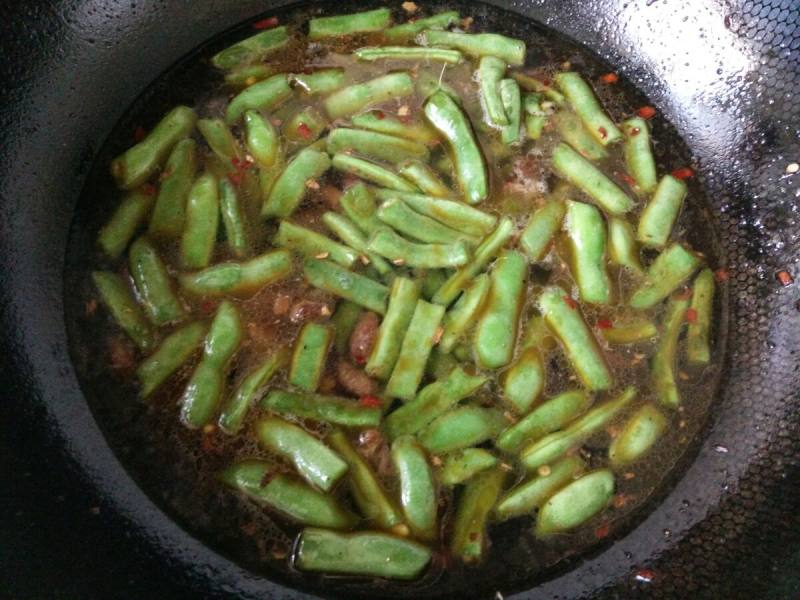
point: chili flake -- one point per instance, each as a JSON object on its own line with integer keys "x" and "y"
{"x": 722, "y": 275}
{"x": 785, "y": 278}
{"x": 149, "y": 189}
{"x": 604, "y": 324}
{"x": 368, "y": 401}
{"x": 304, "y": 131}
{"x": 646, "y": 112}
{"x": 603, "y": 132}
{"x": 691, "y": 315}
{"x": 602, "y": 531}
{"x": 267, "y": 23}
{"x": 644, "y": 575}
{"x": 570, "y": 302}
{"x": 609, "y": 78}
{"x": 683, "y": 173}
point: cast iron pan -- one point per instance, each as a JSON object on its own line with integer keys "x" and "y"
{"x": 76, "y": 525}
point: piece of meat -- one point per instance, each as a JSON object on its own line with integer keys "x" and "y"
{"x": 375, "y": 450}
{"x": 330, "y": 196}
{"x": 363, "y": 337}
{"x": 527, "y": 176}
{"x": 305, "y": 310}
{"x": 354, "y": 380}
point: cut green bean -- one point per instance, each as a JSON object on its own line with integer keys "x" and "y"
{"x": 312, "y": 244}
{"x": 496, "y": 330}
{"x": 637, "y": 437}
{"x": 638, "y": 155}
{"x": 355, "y": 98}
{"x": 118, "y": 298}
{"x": 538, "y": 335}
{"x": 379, "y": 146}
{"x": 341, "y": 25}
{"x": 697, "y": 338}
{"x": 469, "y": 541}
{"x": 367, "y": 553}
{"x": 669, "y": 271}
{"x": 371, "y": 172}
{"x": 576, "y": 503}
{"x": 583, "y": 101}
{"x": 460, "y": 466}
{"x": 564, "y": 318}
{"x": 344, "y": 322}
{"x": 252, "y": 49}
{"x": 202, "y": 220}
{"x": 659, "y": 215}
{"x": 422, "y": 176}
{"x": 524, "y": 380}
{"x": 305, "y": 126}
{"x": 430, "y": 280}
{"x": 662, "y": 365}
{"x": 135, "y": 166}
{"x": 233, "y": 219}
{"x": 329, "y": 276}
{"x": 586, "y": 240}
{"x": 414, "y": 351}
{"x": 490, "y": 71}
{"x": 242, "y": 77}
{"x": 538, "y": 235}
{"x": 418, "y": 494}
{"x": 440, "y": 364}
{"x": 261, "y": 138}
{"x": 512, "y": 103}
{"x": 118, "y": 232}
{"x": 622, "y": 248}
{"x": 461, "y": 427}
{"x": 535, "y": 116}
{"x": 464, "y": 312}
{"x": 630, "y": 333}
{"x": 399, "y": 216}
{"x": 329, "y": 409}
{"x": 169, "y": 212}
{"x": 531, "y": 84}
{"x": 402, "y": 301}
{"x": 309, "y": 356}
{"x": 508, "y": 49}
{"x": 170, "y": 355}
{"x": 407, "y": 31}
{"x": 323, "y": 81}
{"x": 264, "y": 95}
{"x": 572, "y": 131}
{"x": 238, "y": 278}
{"x": 219, "y": 138}
{"x": 379, "y": 122}
{"x": 153, "y": 284}
{"x": 290, "y": 187}
{"x": 532, "y": 494}
{"x": 359, "y": 205}
{"x": 456, "y": 215}
{"x": 408, "y": 53}
{"x": 350, "y": 234}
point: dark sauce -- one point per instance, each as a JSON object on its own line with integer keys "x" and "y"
{"x": 178, "y": 467}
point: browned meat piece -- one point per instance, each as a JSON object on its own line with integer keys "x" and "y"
{"x": 363, "y": 337}
{"x": 375, "y": 450}
{"x": 354, "y": 380}
{"x": 305, "y": 310}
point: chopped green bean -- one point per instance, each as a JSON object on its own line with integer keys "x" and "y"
{"x": 118, "y": 232}
{"x": 242, "y": 77}
{"x": 261, "y": 138}
{"x": 290, "y": 187}
{"x": 470, "y": 539}
{"x": 461, "y": 427}
{"x": 219, "y": 138}
{"x": 406, "y": 31}
{"x": 399, "y": 216}
{"x": 583, "y": 101}
{"x": 238, "y": 278}
{"x": 586, "y": 239}
{"x": 572, "y": 131}
{"x": 490, "y": 71}
{"x": 509, "y": 49}
{"x": 458, "y": 319}
{"x": 233, "y": 219}
{"x": 422, "y": 176}
{"x": 697, "y": 337}
{"x": 512, "y": 103}
{"x": 622, "y": 248}
{"x": 408, "y": 53}
{"x": 312, "y": 244}
{"x": 371, "y": 172}
{"x": 630, "y": 333}
{"x": 337, "y": 280}
{"x": 535, "y": 116}
{"x": 402, "y": 301}
{"x": 637, "y": 436}
{"x": 355, "y": 98}
{"x": 659, "y": 215}
{"x": 305, "y": 126}
{"x": 538, "y": 335}
{"x": 524, "y": 380}
{"x": 638, "y": 155}
{"x": 378, "y": 121}
{"x": 252, "y": 49}
{"x": 309, "y": 356}
{"x": 323, "y": 81}
{"x": 359, "y": 205}
{"x": 669, "y": 271}
{"x": 541, "y": 229}
{"x": 418, "y": 494}
{"x": 456, "y": 215}
{"x": 202, "y": 220}
{"x": 341, "y": 25}
{"x": 344, "y": 322}
{"x": 531, "y": 84}
{"x": 576, "y": 503}
{"x": 264, "y": 95}
{"x": 330, "y": 409}
{"x": 169, "y": 213}
{"x": 170, "y": 355}
{"x": 662, "y": 365}
{"x": 379, "y": 146}
{"x": 153, "y": 284}
{"x": 430, "y": 280}
{"x": 351, "y": 235}
{"x": 118, "y": 298}
{"x": 460, "y": 466}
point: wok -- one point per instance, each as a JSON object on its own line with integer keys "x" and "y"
{"x": 75, "y": 524}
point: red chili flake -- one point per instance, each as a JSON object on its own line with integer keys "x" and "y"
{"x": 267, "y": 23}
{"x": 139, "y": 134}
{"x": 602, "y": 531}
{"x": 235, "y": 178}
{"x": 691, "y": 316}
{"x": 208, "y": 306}
{"x": 370, "y": 401}
{"x": 646, "y": 112}
{"x": 604, "y": 324}
{"x": 634, "y": 131}
{"x": 644, "y": 575}
{"x": 785, "y": 278}
{"x": 603, "y": 132}
{"x": 360, "y": 359}
{"x": 570, "y": 302}
{"x": 304, "y": 131}
{"x": 626, "y": 178}
{"x": 683, "y": 173}
{"x": 722, "y": 275}
{"x": 609, "y": 78}
{"x": 149, "y": 189}
{"x": 545, "y": 81}
{"x": 380, "y": 115}
{"x": 236, "y": 162}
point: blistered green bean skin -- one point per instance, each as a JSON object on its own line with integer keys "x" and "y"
{"x": 399, "y": 250}
{"x": 418, "y": 494}
{"x": 264, "y": 95}
{"x": 532, "y": 494}
{"x": 669, "y": 271}
{"x": 153, "y": 284}
{"x": 310, "y": 354}
{"x": 173, "y": 352}
{"x": 575, "y": 134}
{"x": 585, "y": 104}
{"x": 460, "y": 428}
{"x": 586, "y": 238}
{"x": 116, "y": 295}
{"x": 380, "y": 146}
{"x": 422, "y": 176}
{"x": 354, "y": 98}
{"x": 402, "y": 302}
{"x": 477, "y": 44}
{"x": 698, "y": 349}
{"x": 469, "y": 540}
{"x": 169, "y": 212}
{"x": 379, "y": 122}
{"x": 536, "y": 238}
{"x": 663, "y": 362}
{"x": 638, "y": 155}
{"x": 261, "y": 138}
{"x": 328, "y": 409}
{"x": 490, "y": 72}
{"x": 238, "y": 278}
{"x": 202, "y": 220}
{"x": 233, "y": 219}
{"x": 576, "y": 503}
{"x": 219, "y": 138}
{"x": 118, "y": 232}
{"x": 658, "y": 217}
{"x": 340, "y": 25}
{"x": 351, "y": 235}
{"x": 235, "y": 410}
{"x": 312, "y": 244}
{"x": 637, "y": 437}
{"x": 460, "y": 466}
{"x": 290, "y": 187}
{"x": 524, "y": 380}
{"x": 251, "y": 49}
{"x": 328, "y": 276}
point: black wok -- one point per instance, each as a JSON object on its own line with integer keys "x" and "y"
{"x": 724, "y": 73}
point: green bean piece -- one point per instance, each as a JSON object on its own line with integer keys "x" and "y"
{"x": 329, "y": 409}
{"x": 586, "y": 240}
{"x": 545, "y": 418}
{"x": 662, "y": 366}
{"x": 118, "y": 232}
{"x": 538, "y": 335}
{"x": 583, "y": 101}
{"x": 456, "y": 215}
{"x": 202, "y": 220}
{"x": 312, "y": 244}
{"x": 535, "y": 116}
{"x": 408, "y": 53}
{"x": 314, "y": 461}
{"x": 399, "y": 216}
{"x": 551, "y": 447}
{"x": 344, "y": 322}
{"x": 371, "y": 172}
{"x": 366, "y": 553}
{"x": 638, "y": 155}
{"x": 118, "y": 298}
{"x": 323, "y": 81}
{"x": 564, "y": 318}
{"x": 170, "y": 355}
{"x": 332, "y": 278}
{"x": 309, "y": 356}
{"x": 414, "y": 351}
{"x": 545, "y": 223}
{"x": 370, "y": 497}
{"x": 512, "y": 103}
{"x": 238, "y": 278}
{"x": 576, "y": 503}
{"x": 490, "y": 71}
{"x": 355, "y": 98}
{"x": 697, "y": 338}
{"x": 524, "y": 380}
{"x": 659, "y": 215}
{"x": 264, "y": 95}
{"x": 533, "y": 493}
{"x": 239, "y": 404}
{"x": 379, "y": 122}
{"x": 252, "y": 49}
{"x": 449, "y": 120}
{"x": 630, "y": 333}
{"x": 508, "y": 49}
{"x": 622, "y": 248}
{"x": 422, "y": 176}
{"x": 219, "y": 138}
{"x": 469, "y": 541}
{"x": 241, "y": 77}
{"x": 350, "y": 234}
{"x": 496, "y": 330}
{"x": 432, "y": 401}
{"x": 531, "y": 84}
{"x": 572, "y": 130}
{"x": 418, "y": 494}
{"x": 290, "y": 187}
{"x": 430, "y": 280}
{"x": 204, "y": 390}
{"x": 487, "y": 250}
{"x": 669, "y": 271}
{"x": 460, "y": 466}
{"x": 464, "y": 312}
{"x": 341, "y": 25}
{"x": 402, "y": 302}
{"x": 637, "y": 437}
{"x": 379, "y": 146}
{"x": 440, "y": 364}
{"x": 407, "y": 31}
{"x": 359, "y": 205}
{"x": 461, "y": 427}
{"x": 153, "y": 284}
{"x": 134, "y": 167}
{"x": 167, "y": 218}
{"x": 305, "y": 126}
{"x": 590, "y": 180}
{"x": 233, "y": 219}
{"x": 261, "y": 138}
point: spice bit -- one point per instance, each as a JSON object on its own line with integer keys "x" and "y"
{"x": 792, "y": 168}
{"x": 683, "y": 375}
{"x": 722, "y": 275}
{"x": 437, "y": 336}
{"x": 209, "y": 428}
{"x": 566, "y": 65}
{"x": 325, "y": 311}
{"x": 403, "y": 111}
{"x": 629, "y": 475}
{"x": 281, "y": 305}
{"x": 401, "y": 529}
{"x": 544, "y": 470}
{"x": 466, "y": 23}
{"x": 312, "y": 184}
{"x": 784, "y": 278}
{"x": 682, "y": 424}
{"x": 399, "y": 262}
{"x": 509, "y": 417}
{"x": 506, "y": 467}
{"x": 364, "y": 259}
{"x": 644, "y": 575}
{"x": 436, "y": 461}
{"x": 250, "y": 81}
{"x": 721, "y": 449}
{"x": 609, "y": 78}
{"x": 602, "y": 531}
{"x": 620, "y": 500}
{"x": 409, "y": 7}
{"x": 322, "y": 255}
{"x": 646, "y": 112}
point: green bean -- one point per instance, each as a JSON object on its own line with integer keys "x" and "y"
{"x": 659, "y": 215}
{"x": 238, "y": 278}
{"x": 637, "y": 436}
{"x": 167, "y": 218}
{"x": 135, "y": 166}
{"x": 344, "y": 322}
{"x": 461, "y": 427}
{"x": 264, "y": 95}
{"x": 406, "y": 31}
{"x": 458, "y": 319}
{"x": 490, "y": 71}
{"x": 576, "y": 503}
{"x": 669, "y": 271}
{"x": 622, "y": 248}
{"x": 332, "y": 278}
{"x": 305, "y": 126}
{"x": 697, "y": 337}
{"x": 509, "y": 49}
{"x": 531, "y": 84}
{"x": 572, "y": 131}
{"x": 371, "y": 172}
{"x": 314, "y": 461}
{"x": 290, "y": 187}
{"x": 662, "y": 366}
{"x": 378, "y": 121}
{"x": 541, "y": 229}
{"x": 533, "y": 493}
{"x": 402, "y": 301}
{"x": 422, "y": 176}
{"x": 432, "y": 401}
{"x": 366, "y": 553}
{"x": 341, "y": 25}
{"x": 487, "y": 250}
{"x": 351, "y": 235}
{"x": 153, "y": 284}
{"x": 564, "y": 318}
{"x": 586, "y": 177}
{"x": 524, "y": 380}
{"x": 456, "y": 215}
{"x": 414, "y": 351}
{"x": 118, "y": 232}
{"x": 359, "y": 205}
{"x": 371, "y": 499}
{"x": 309, "y": 356}
{"x": 496, "y": 330}
{"x": 239, "y": 404}
{"x": 583, "y": 101}
{"x": 252, "y": 49}
{"x": 202, "y": 220}
{"x": 460, "y": 466}
{"x": 355, "y": 98}
{"x": 469, "y": 541}
{"x": 418, "y": 494}
{"x": 535, "y": 117}
{"x": 401, "y": 217}
{"x": 219, "y": 138}
{"x": 638, "y": 155}
{"x": 630, "y": 333}
{"x": 449, "y": 120}
{"x": 546, "y": 418}
{"x": 241, "y": 77}
{"x": 538, "y": 335}
{"x": 586, "y": 240}
{"x": 379, "y": 146}
{"x": 116, "y": 295}
{"x": 204, "y": 390}
{"x": 261, "y": 138}
{"x": 408, "y": 53}
{"x": 233, "y": 219}
{"x": 312, "y": 244}
{"x": 170, "y": 355}
{"x": 552, "y": 446}
{"x": 323, "y": 81}
{"x": 512, "y": 103}
{"x": 330, "y": 409}
{"x": 440, "y": 364}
